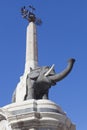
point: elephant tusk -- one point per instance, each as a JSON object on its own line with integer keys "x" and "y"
{"x": 48, "y": 72}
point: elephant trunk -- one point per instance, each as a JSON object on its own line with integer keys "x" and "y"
{"x": 64, "y": 73}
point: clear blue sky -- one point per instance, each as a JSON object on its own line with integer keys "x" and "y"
{"x": 62, "y": 35}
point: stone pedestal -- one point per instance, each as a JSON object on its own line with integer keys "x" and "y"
{"x": 34, "y": 115}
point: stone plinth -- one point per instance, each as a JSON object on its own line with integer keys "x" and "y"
{"x": 34, "y": 115}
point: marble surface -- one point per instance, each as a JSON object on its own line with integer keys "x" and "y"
{"x": 34, "y": 115}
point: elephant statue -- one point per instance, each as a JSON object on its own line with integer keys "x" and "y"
{"x": 40, "y": 79}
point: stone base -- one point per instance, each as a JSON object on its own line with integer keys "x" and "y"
{"x": 34, "y": 115}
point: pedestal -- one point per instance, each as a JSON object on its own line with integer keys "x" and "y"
{"x": 34, "y": 115}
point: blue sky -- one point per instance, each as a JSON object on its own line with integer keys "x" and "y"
{"x": 62, "y": 35}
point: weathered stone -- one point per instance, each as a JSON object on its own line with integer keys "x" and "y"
{"x": 4, "y": 125}
{"x": 73, "y": 127}
{"x": 34, "y": 114}
{"x": 68, "y": 122}
{"x": 31, "y": 48}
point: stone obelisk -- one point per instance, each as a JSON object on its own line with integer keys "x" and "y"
{"x": 31, "y": 48}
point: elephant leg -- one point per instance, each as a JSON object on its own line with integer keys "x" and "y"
{"x": 29, "y": 89}
{"x": 45, "y": 96}
{"x": 30, "y": 94}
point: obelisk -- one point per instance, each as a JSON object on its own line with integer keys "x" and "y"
{"x": 31, "y": 48}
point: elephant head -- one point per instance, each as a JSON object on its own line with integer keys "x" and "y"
{"x": 41, "y": 79}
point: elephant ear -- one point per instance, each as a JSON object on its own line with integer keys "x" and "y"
{"x": 33, "y": 75}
